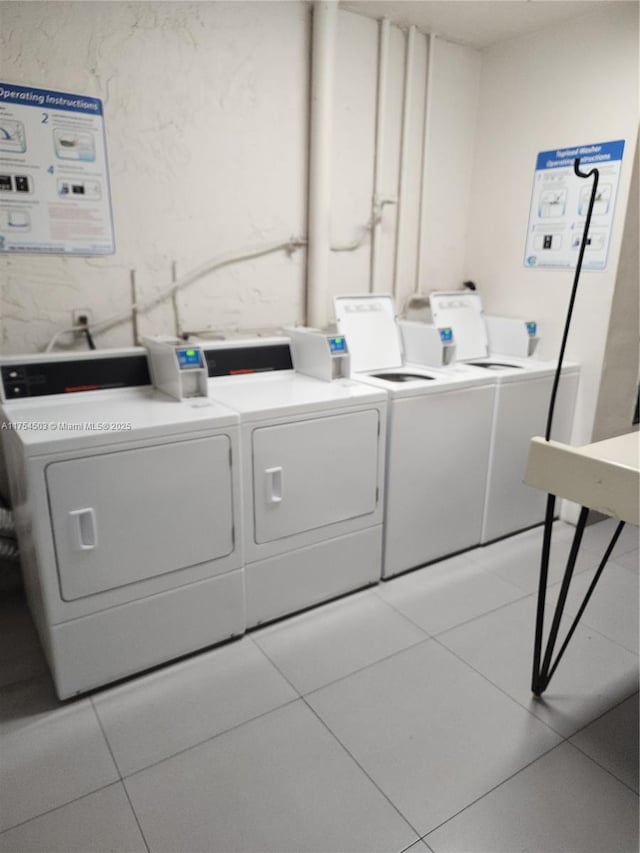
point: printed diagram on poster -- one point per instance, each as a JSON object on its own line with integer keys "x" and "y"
{"x": 559, "y": 204}
{"x": 54, "y": 177}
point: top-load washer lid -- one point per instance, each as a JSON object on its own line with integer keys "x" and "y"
{"x": 462, "y": 311}
{"x": 369, "y": 324}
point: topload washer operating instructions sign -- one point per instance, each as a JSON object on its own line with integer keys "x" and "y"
{"x": 54, "y": 178}
{"x": 559, "y": 205}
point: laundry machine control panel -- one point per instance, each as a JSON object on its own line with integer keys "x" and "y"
{"x": 316, "y": 353}
{"x": 177, "y": 369}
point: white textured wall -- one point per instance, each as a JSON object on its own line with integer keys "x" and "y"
{"x": 352, "y": 152}
{"x": 453, "y": 92}
{"x": 571, "y": 84}
{"x": 620, "y": 373}
{"x": 206, "y": 111}
{"x": 353, "y": 157}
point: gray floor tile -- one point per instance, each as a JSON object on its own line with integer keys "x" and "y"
{"x": 448, "y": 593}
{"x": 612, "y": 741}
{"x": 594, "y": 675}
{"x": 562, "y": 802}
{"x": 97, "y": 823}
{"x": 50, "y": 759}
{"x": 613, "y": 608}
{"x": 280, "y": 783}
{"x": 630, "y": 561}
{"x": 323, "y": 645}
{"x": 433, "y": 734}
{"x": 24, "y": 703}
{"x": 517, "y": 559}
{"x": 22, "y": 658}
{"x": 174, "y": 708}
{"x": 597, "y": 536}
{"x": 418, "y": 847}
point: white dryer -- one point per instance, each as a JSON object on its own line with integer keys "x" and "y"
{"x": 313, "y": 476}
{"x": 522, "y": 398}
{"x": 127, "y": 507}
{"x": 439, "y": 433}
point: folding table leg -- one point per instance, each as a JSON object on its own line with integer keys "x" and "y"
{"x": 542, "y": 674}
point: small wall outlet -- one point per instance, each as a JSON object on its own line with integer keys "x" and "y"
{"x": 81, "y": 317}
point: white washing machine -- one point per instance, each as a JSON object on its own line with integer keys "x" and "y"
{"x": 522, "y": 398}
{"x": 127, "y": 507}
{"x": 439, "y": 434}
{"x": 313, "y": 476}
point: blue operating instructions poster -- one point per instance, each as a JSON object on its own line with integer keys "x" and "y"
{"x": 54, "y": 178}
{"x": 559, "y": 205}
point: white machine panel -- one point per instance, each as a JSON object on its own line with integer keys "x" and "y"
{"x": 108, "y": 511}
{"x": 369, "y": 324}
{"x": 511, "y": 505}
{"x": 307, "y": 475}
{"x": 436, "y": 475}
{"x": 462, "y": 312}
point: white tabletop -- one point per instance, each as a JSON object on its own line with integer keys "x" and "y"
{"x": 604, "y": 476}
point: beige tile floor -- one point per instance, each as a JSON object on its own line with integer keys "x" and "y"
{"x": 398, "y": 718}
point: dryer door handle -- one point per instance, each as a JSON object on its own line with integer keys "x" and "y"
{"x": 84, "y": 530}
{"x": 274, "y": 485}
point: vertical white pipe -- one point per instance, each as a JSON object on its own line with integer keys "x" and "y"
{"x": 381, "y": 98}
{"x": 134, "y": 307}
{"x": 325, "y": 16}
{"x": 423, "y": 241}
{"x": 404, "y": 147}
{"x": 174, "y": 301}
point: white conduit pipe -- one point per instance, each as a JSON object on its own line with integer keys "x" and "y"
{"x": 404, "y": 146}
{"x": 423, "y": 243}
{"x": 383, "y": 62}
{"x": 325, "y": 15}
{"x": 210, "y": 266}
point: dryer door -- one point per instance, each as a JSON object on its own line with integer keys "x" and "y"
{"x": 313, "y": 473}
{"x": 130, "y": 515}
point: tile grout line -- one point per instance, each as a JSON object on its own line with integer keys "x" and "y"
{"x": 501, "y": 689}
{"x": 491, "y": 790}
{"x": 299, "y": 697}
{"x": 565, "y": 741}
{"x": 595, "y": 761}
{"x": 122, "y": 782}
{"x": 532, "y": 595}
{"x": 285, "y": 622}
{"x": 413, "y": 844}
{"x": 524, "y": 707}
{"x": 117, "y": 781}
{"x": 464, "y": 622}
{"x": 61, "y": 806}
{"x": 601, "y": 766}
{"x": 276, "y": 667}
{"x": 603, "y": 714}
{"x": 357, "y": 763}
{"x": 567, "y": 616}
{"x": 524, "y": 594}
{"x": 355, "y": 671}
{"x": 210, "y": 738}
{"x": 367, "y": 666}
